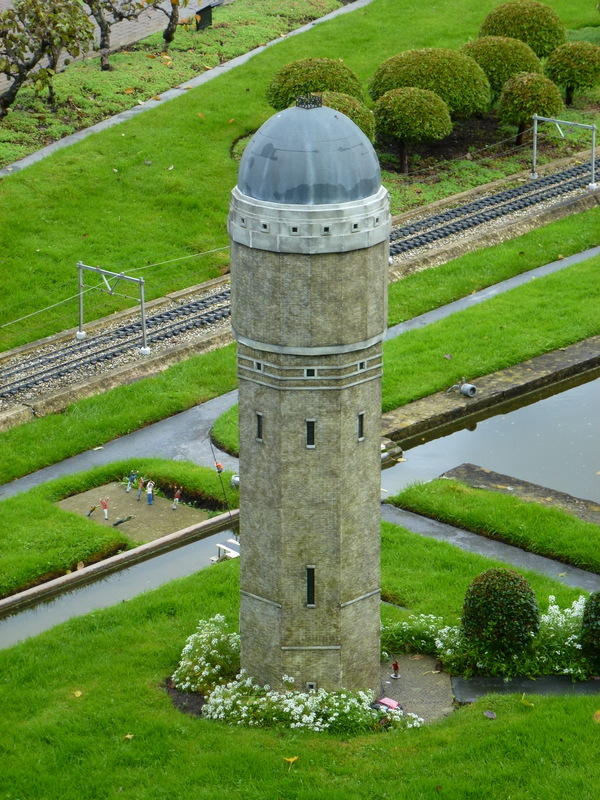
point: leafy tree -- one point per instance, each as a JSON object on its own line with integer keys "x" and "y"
{"x": 34, "y": 31}
{"x": 308, "y": 76}
{"x": 526, "y": 94}
{"x": 352, "y": 108}
{"x": 501, "y": 57}
{"x": 534, "y": 23}
{"x": 575, "y": 65}
{"x": 107, "y": 13}
{"x": 454, "y": 76}
{"x": 412, "y": 115}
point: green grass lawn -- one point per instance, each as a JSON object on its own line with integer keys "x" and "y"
{"x": 543, "y": 315}
{"x": 479, "y": 345}
{"x": 539, "y": 529}
{"x": 102, "y": 203}
{"x": 95, "y": 721}
{"x": 41, "y": 540}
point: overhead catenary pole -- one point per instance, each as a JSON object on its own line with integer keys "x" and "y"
{"x": 558, "y": 122}
{"x": 116, "y": 276}
{"x": 81, "y": 334}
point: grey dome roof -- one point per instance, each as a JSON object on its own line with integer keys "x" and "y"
{"x": 309, "y": 156}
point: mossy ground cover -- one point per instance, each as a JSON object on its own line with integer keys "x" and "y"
{"x": 547, "y": 531}
{"x": 100, "y": 202}
{"x": 100, "y": 722}
{"x": 40, "y": 541}
{"x": 85, "y": 94}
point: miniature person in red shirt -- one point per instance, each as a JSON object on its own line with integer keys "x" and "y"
{"x": 104, "y": 504}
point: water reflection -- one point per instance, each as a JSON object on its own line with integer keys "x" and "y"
{"x": 554, "y": 442}
{"x": 112, "y": 589}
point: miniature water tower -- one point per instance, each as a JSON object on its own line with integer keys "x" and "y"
{"x": 309, "y": 225}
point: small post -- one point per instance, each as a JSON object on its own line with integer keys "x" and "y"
{"x": 593, "y": 185}
{"x": 144, "y": 350}
{"x": 81, "y": 334}
{"x": 533, "y": 173}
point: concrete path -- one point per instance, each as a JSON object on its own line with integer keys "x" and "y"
{"x": 473, "y": 543}
{"x": 182, "y": 437}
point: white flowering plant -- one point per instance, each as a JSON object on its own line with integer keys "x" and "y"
{"x": 554, "y": 650}
{"x": 210, "y": 664}
{"x": 243, "y": 702}
{"x": 210, "y": 656}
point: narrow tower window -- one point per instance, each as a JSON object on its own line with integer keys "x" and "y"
{"x": 362, "y": 365}
{"x": 311, "y": 372}
{"x": 310, "y": 433}
{"x": 310, "y": 587}
{"x": 258, "y": 366}
{"x": 259, "y": 427}
{"x": 361, "y": 426}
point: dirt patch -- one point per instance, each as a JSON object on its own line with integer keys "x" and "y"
{"x": 146, "y": 522}
{"x": 188, "y": 702}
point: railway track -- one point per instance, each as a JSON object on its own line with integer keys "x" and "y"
{"x": 24, "y": 378}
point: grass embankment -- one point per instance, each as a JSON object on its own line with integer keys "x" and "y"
{"x": 92, "y": 422}
{"x": 100, "y": 723}
{"x": 538, "y": 529}
{"x": 543, "y": 315}
{"x": 101, "y": 202}
{"x": 96, "y": 420}
{"x": 40, "y": 541}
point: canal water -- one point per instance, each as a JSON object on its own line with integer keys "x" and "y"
{"x": 554, "y": 442}
{"x": 112, "y": 589}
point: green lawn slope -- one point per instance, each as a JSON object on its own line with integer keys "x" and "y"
{"x": 101, "y": 202}
{"x": 85, "y": 713}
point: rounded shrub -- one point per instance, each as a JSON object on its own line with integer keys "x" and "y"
{"x": 454, "y": 76}
{"x": 575, "y": 65}
{"x": 526, "y": 94}
{"x": 534, "y": 23}
{"x": 412, "y": 115}
{"x": 352, "y": 108}
{"x": 501, "y": 57}
{"x": 590, "y": 630}
{"x": 308, "y": 76}
{"x": 500, "y": 612}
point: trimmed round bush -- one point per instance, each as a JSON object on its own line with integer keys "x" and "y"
{"x": 412, "y": 115}
{"x": 308, "y": 76}
{"x": 352, "y": 108}
{"x": 454, "y": 76}
{"x": 501, "y": 57}
{"x": 590, "y": 629}
{"x": 526, "y": 94}
{"x": 575, "y": 65}
{"x": 500, "y": 612}
{"x": 534, "y": 23}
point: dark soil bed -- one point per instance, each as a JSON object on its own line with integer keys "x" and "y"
{"x": 188, "y": 702}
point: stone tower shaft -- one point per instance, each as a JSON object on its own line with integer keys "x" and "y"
{"x": 309, "y": 289}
